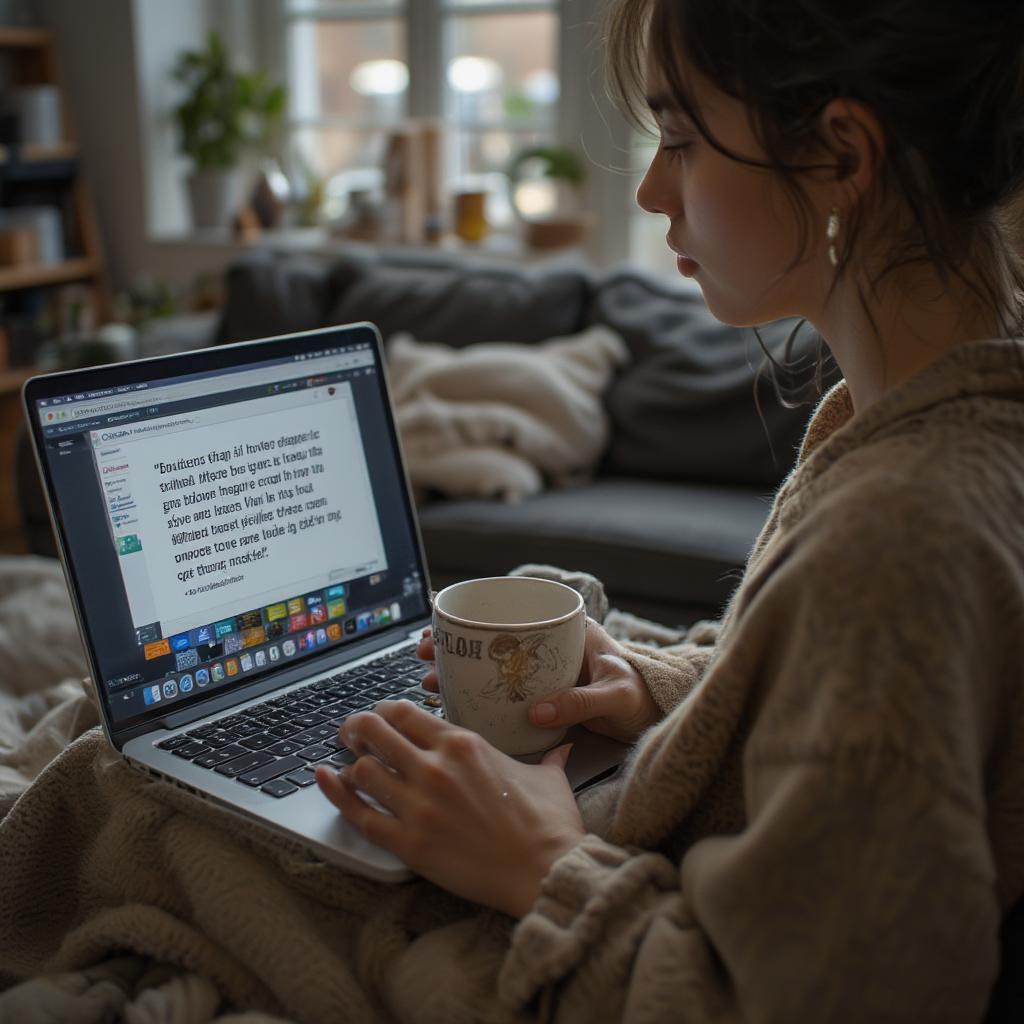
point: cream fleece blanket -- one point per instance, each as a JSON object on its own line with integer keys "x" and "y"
{"x": 216, "y": 914}
{"x": 502, "y": 420}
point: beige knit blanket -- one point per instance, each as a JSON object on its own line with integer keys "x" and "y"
{"x": 502, "y": 420}
{"x": 125, "y": 898}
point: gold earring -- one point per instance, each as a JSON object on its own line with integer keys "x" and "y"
{"x": 832, "y": 233}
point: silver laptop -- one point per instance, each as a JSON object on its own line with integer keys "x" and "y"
{"x": 245, "y": 564}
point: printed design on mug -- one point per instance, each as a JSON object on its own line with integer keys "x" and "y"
{"x": 519, "y": 661}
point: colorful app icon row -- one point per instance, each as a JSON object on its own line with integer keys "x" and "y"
{"x": 255, "y": 627}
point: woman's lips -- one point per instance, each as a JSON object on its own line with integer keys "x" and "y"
{"x": 686, "y": 266}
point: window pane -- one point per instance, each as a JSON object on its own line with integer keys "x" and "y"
{"x": 305, "y": 6}
{"x": 479, "y": 160}
{"x": 502, "y": 67}
{"x": 499, "y": 3}
{"x": 348, "y": 68}
{"x": 345, "y": 161}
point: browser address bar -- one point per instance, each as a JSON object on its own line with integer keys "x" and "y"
{"x": 226, "y": 382}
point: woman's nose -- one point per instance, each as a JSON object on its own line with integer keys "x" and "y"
{"x": 653, "y": 194}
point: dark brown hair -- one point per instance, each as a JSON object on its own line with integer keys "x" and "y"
{"x": 945, "y": 78}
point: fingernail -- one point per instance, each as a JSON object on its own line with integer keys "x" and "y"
{"x": 544, "y": 713}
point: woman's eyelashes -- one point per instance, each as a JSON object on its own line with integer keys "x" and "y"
{"x": 675, "y": 150}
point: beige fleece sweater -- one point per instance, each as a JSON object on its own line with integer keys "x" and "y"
{"x": 834, "y": 804}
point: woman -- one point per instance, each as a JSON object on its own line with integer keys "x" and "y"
{"x": 823, "y": 817}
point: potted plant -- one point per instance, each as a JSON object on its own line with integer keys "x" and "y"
{"x": 224, "y": 112}
{"x": 546, "y": 184}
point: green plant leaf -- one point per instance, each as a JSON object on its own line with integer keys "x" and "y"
{"x": 224, "y": 110}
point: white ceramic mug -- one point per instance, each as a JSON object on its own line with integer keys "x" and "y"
{"x": 500, "y": 644}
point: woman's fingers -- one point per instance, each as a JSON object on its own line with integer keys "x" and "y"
{"x": 580, "y": 704}
{"x": 425, "y": 652}
{"x": 383, "y": 829}
{"x": 395, "y": 732}
{"x": 613, "y": 700}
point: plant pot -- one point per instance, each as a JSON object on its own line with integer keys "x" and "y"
{"x": 215, "y": 196}
{"x": 556, "y": 232}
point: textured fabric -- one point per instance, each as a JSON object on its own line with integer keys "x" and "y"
{"x": 442, "y": 302}
{"x": 834, "y": 811}
{"x": 684, "y": 408}
{"x": 672, "y": 552}
{"x": 826, "y": 826}
{"x": 500, "y": 419}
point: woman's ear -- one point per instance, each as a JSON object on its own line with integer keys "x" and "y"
{"x": 855, "y": 138}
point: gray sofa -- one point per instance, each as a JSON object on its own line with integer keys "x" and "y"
{"x": 686, "y": 481}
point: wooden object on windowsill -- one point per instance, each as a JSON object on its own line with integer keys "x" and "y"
{"x": 18, "y": 246}
{"x": 557, "y": 232}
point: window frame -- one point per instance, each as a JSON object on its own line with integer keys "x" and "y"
{"x": 584, "y": 120}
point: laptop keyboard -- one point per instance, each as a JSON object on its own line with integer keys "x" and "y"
{"x": 276, "y": 744}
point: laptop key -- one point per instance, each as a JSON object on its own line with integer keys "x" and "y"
{"x": 258, "y": 741}
{"x": 173, "y": 741}
{"x": 314, "y": 735}
{"x": 285, "y": 729}
{"x": 308, "y": 721}
{"x": 393, "y": 686}
{"x": 284, "y": 747}
{"x": 279, "y": 788}
{"x": 220, "y": 739}
{"x": 303, "y": 778}
{"x": 266, "y": 772}
{"x": 245, "y": 763}
{"x": 343, "y": 757}
{"x": 190, "y": 750}
{"x": 216, "y": 757}
{"x": 317, "y": 752}
{"x": 275, "y": 717}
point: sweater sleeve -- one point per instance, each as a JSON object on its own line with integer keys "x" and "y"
{"x": 861, "y": 884}
{"x": 835, "y": 904}
{"x": 670, "y": 673}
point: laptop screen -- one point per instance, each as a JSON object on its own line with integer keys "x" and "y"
{"x": 223, "y": 522}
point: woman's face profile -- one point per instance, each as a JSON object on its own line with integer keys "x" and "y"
{"x": 733, "y": 224}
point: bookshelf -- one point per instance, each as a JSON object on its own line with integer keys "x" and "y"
{"x": 39, "y": 177}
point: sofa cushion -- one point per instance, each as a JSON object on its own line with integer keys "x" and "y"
{"x": 439, "y": 300}
{"x": 684, "y": 408}
{"x": 269, "y": 293}
{"x": 651, "y": 542}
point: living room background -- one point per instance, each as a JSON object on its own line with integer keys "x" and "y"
{"x": 118, "y": 55}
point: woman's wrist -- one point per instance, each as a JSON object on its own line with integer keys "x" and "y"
{"x": 532, "y": 879}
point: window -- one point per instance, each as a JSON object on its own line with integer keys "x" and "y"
{"x": 357, "y": 68}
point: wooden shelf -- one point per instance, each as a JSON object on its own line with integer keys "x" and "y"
{"x": 12, "y": 380}
{"x": 34, "y": 274}
{"x": 33, "y": 153}
{"x": 27, "y": 37}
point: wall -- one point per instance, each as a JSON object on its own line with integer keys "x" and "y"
{"x": 115, "y": 59}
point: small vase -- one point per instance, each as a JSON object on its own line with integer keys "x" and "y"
{"x": 215, "y": 196}
{"x": 470, "y": 217}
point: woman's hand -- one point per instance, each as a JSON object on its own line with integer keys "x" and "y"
{"x": 461, "y": 813}
{"x": 610, "y": 697}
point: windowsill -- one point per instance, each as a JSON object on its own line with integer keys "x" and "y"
{"x": 501, "y": 245}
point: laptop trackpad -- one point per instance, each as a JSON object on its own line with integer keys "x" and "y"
{"x": 592, "y": 758}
